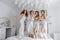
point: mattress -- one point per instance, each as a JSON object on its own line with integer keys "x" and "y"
{"x": 27, "y": 38}
{"x": 44, "y": 39}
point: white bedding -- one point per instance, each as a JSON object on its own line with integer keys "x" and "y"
{"x": 17, "y": 38}
{"x": 26, "y": 38}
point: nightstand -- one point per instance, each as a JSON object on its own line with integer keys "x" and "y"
{"x": 10, "y": 31}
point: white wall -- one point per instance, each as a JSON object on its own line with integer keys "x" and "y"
{"x": 54, "y": 12}
{"x": 6, "y": 11}
{"x": 9, "y": 12}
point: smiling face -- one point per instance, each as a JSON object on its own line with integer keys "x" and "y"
{"x": 31, "y": 13}
{"x": 25, "y": 11}
{"x": 37, "y": 13}
{"x": 42, "y": 12}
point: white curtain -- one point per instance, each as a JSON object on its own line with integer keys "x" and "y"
{"x": 31, "y": 4}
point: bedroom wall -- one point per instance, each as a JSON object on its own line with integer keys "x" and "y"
{"x": 54, "y": 12}
{"x": 7, "y": 9}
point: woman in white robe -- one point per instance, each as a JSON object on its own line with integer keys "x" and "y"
{"x": 30, "y": 20}
{"x": 36, "y": 24}
{"x": 22, "y": 18}
{"x": 44, "y": 24}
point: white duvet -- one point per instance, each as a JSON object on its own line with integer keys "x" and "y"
{"x": 27, "y": 38}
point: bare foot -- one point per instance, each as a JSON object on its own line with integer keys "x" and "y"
{"x": 31, "y": 35}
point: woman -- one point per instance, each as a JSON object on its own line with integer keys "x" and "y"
{"x": 44, "y": 24}
{"x": 36, "y": 15}
{"x": 43, "y": 16}
{"x": 30, "y": 24}
{"x": 22, "y": 18}
{"x": 37, "y": 24}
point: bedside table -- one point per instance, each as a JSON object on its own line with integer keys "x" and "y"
{"x": 10, "y": 32}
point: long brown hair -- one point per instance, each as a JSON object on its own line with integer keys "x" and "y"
{"x": 37, "y": 13}
{"x": 44, "y": 14}
{"x": 42, "y": 11}
{"x": 23, "y": 12}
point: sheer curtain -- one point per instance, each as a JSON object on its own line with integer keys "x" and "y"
{"x": 31, "y": 4}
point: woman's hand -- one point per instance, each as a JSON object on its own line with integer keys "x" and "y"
{"x": 14, "y": 17}
{"x": 17, "y": 17}
{"x": 43, "y": 15}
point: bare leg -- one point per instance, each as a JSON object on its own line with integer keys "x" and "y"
{"x": 35, "y": 32}
{"x": 35, "y": 35}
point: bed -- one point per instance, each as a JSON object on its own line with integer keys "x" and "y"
{"x": 27, "y": 38}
